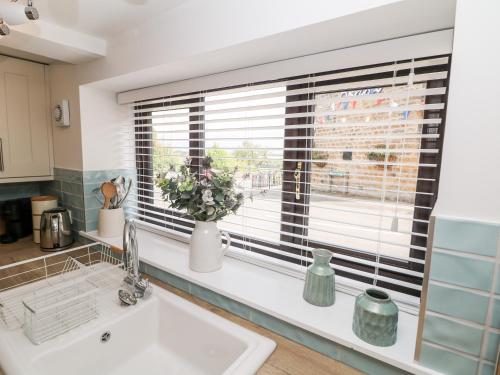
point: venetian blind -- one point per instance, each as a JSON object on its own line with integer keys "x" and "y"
{"x": 346, "y": 160}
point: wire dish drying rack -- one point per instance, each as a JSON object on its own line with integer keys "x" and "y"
{"x": 53, "y": 294}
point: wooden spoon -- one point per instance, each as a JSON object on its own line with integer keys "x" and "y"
{"x": 108, "y": 190}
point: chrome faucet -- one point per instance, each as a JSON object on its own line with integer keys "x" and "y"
{"x": 140, "y": 287}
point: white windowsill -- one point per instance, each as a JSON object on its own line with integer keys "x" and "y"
{"x": 278, "y": 295}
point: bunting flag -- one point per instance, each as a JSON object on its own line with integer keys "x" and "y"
{"x": 354, "y": 102}
{"x": 406, "y": 114}
{"x": 345, "y": 105}
{"x": 379, "y": 101}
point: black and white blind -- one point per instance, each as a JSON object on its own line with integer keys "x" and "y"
{"x": 346, "y": 160}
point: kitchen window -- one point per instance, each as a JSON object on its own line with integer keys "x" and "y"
{"x": 346, "y": 160}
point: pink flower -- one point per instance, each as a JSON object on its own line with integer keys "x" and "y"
{"x": 208, "y": 174}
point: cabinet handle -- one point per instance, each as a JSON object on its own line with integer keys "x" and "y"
{"x": 1, "y": 156}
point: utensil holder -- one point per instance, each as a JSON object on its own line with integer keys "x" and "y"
{"x": 111, "y": 222}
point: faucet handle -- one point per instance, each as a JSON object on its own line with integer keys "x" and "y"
{"x": 143, "y": 289}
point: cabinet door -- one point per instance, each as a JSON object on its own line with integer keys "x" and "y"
{"x": 24, "y": 132}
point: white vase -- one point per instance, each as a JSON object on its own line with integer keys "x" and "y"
{"x": 206, "y": 251}
{"x": 111, "y": 222}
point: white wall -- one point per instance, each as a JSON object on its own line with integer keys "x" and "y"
{"x": 199, "y": 26}
{"x": 201, "y": 38}
{"x": 204, "y": 37}
{"x": 470, "y": 173}
{"x": 171, "y": 36}
{"x": 103, "y": 143}
{"x": 67, "y": 141}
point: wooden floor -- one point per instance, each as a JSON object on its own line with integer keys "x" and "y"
{"x": 289, "y": 358}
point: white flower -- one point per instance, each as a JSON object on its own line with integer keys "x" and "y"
{"x": 170, "y": 175}
{"x": 207, "y": 197}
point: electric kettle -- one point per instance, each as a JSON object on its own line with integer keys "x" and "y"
{"x": 55, "y": 230}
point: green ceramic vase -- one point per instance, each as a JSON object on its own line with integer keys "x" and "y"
{"x": 319, "y": 288}
{"x": 375, "y": 318}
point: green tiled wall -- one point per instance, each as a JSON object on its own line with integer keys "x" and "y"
{"x": 92, "y": 180}
{"x": 75, "y": 190}
{"x": 19, "y": 190}
{"x": 462, "y": 319}
{"x": 317, "y": 343}
{"x": 67, "y": 186}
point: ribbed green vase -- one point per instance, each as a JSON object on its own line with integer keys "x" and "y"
{"x": 375, "y": 318}
{"x": 319, "y": 288}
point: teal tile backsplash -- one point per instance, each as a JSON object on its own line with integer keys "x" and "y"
{"x": 19, "y": 190}
{"x": 487, "y": 369}
{"x": 461, "y": 327}
{"x": 74, "y": 190}
{"x": 92, "y": 180}
{"x": 477, "y": 238}
{"x": 447, "y": 362}
{"x": 458, "y": 303}
{"x": 67, "y": 186}
{"x": 495, "y": 320}
{"x": 453, "y": 335}
{"x": 492, "y": 346}
{"x": 497, "y": 287}
{"x": 463, "y": 271}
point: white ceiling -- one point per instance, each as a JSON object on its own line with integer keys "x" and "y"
{"x": 77, "y": 31}
{"x": 100, "y": 18}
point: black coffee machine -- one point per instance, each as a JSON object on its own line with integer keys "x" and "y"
{"x": 15, "y": 220}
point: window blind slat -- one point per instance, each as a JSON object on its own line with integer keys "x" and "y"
{"x": 344, "y": 160}
{"x": 278, "y": 95}
{"x": 347, "y": 124}
{"x": 340, "y": 112}
{"x": 324, "y": 77}
{"x": 305, "y": 249}
{"x": 311, "y": 227}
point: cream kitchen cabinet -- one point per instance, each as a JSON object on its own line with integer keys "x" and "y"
{"x": 25, "y": 133}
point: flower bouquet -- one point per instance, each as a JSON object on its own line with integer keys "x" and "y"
{"x": 207, "y": 197}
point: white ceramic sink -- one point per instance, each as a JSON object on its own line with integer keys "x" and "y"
{"x": 164, "y": 334}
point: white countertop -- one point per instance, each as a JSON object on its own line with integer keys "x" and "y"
{"x": 278, "y": 295}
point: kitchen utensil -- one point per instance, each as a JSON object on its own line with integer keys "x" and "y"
{"x": 120, "y": 190}
{"x": 108, "y": 190}
{"x": 121, "y": 201}
{"x": 55, "y": 230}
